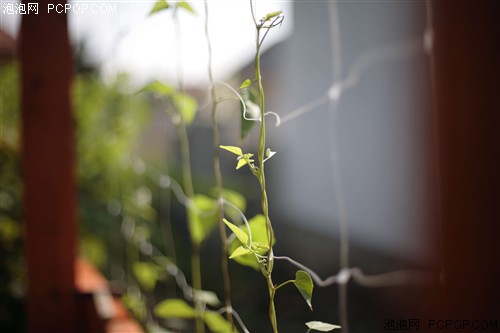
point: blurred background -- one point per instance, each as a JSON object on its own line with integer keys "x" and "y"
{"x": 126, "y": 145}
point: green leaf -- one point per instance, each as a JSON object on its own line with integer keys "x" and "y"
{"x": 158, "y": 88}
{"x": 147, "y": 274}
{"x": 240, "y": 251}
{"x": 271, "y": 15}
{"x": 240, "y": 234}
{"x": 259, "y": 238}
{"x": 304, "y": 284}
{"x": 186, "y": 6}
{"x": 233, "y": 149}
{"x": 202, "y": 217}
{"x": 159, "y": 6}
{"x": 321, "y": 326}
{"x": 249, "y": 96}
{"x": 246, "y": 83}
{"x": 241, "y": 162}
{"x": 187, "y": 107}
{"x": 216, "y": 323}
{"x": 174, "y": 308}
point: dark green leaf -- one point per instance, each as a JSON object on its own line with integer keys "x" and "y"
{"x": 304, "y": 284}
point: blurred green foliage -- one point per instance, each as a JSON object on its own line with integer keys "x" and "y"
{"x": 108, "y": 122}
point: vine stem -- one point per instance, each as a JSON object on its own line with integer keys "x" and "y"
{"x": 262, "y": 180}
{"x": 218, "y": 180}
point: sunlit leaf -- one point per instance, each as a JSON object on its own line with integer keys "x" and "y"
{"x": 202, "y": 217}
{"x": 245, "y": 84}
{"x": 259, "y": 238}
{"x": 158, "y": 88}
{"x": 186, "y": 6}
{"x": 147, "y": 274}
{"x": 240, "y": 251}
{"x": 304, "y": 284}
{"x": 233, "y": 149}
{"x": 216, "y": 323}
{"x": 159, "y": 6}
{"x": 320, "y": 326}
{"x": 174, "y": 308}
{"x": 240, "y": 234}
{"x": 187, "y": 107}
{"x": 241, "y": 162}
{"x": 271, "y": 15}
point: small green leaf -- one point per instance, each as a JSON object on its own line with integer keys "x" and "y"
{"x": 271, "y": 15}
{"x": 147, "y": 274}
{"x": 304, "y": 284}
{"x": 186, "y": 6}
{"x": 159, "y": 6}
{"x": 241, "y": 162}
{"x": 158, "y": 88}
{"x": 240, "y": 234}
{"x": 240, "y": 251}
{"x": 246, "y": 83}
{"x": 187, "y": 107}
{"x": 233, "y": 149}
{"x": 321, "y": 326}
{"x": 216, "y": 323}
{"x": 269, "y": 153}
{"x": 174, "y": 308}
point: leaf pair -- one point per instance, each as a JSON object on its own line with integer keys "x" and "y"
{"x": 161, "y": 5}
{"x": 241, "y": 251}
{"x": 177, "y": 308}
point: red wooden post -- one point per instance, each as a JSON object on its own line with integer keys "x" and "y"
{"x": 48, "y": 167}
{"x": 467, "y": 52}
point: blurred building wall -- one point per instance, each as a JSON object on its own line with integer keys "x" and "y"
{"x": 380, "y": 127}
